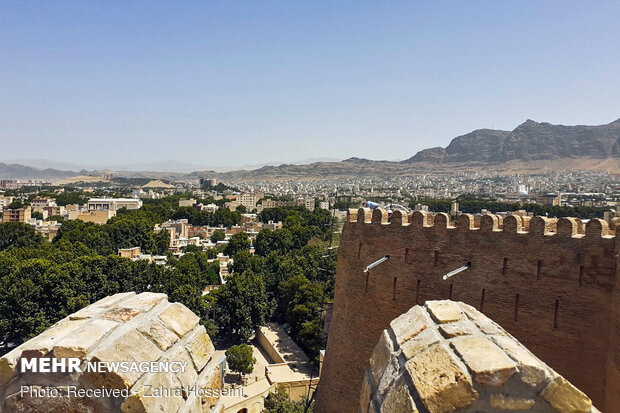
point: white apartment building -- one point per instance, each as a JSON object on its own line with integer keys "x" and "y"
{"x": 210, "y": 207}
{"x": 187, "y": 202}
{"x": 308, "y": 203}
{"x": 269, "y": 203}
{"x": 113, "y": 204}
{"x": 138, "y": 193}
{"x": 5, "y": 201}
{"x": 248, "y": 200}
{"x": 39, "y": 203}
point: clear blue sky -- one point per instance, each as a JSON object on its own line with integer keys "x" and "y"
{"x": 246, "y": 82}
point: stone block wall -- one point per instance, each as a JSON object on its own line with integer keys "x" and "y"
{"x": 446, "y": 356}
{"x": 124, "y": 327}
{"x": 552, "y": 284}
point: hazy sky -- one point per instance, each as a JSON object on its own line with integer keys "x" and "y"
{"x": 246, "y": 82}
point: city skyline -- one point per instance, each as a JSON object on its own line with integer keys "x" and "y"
{"x": 245, "y": 84}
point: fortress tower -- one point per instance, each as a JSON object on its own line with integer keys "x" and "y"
{"x": 552, "y": 284}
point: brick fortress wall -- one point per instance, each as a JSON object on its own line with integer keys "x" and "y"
{"x": 552, "y": 284}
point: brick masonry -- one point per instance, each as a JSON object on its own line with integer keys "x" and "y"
{"x": 552, "y": 284}
{"x": 122, "y": 327}
{"x": 447, "y": 356}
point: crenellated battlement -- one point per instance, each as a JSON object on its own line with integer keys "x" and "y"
{"x": 552, "y": 283}
{"x": 512, "y": 224}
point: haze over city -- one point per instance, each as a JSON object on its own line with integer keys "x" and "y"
{"x": 207, "y": 85}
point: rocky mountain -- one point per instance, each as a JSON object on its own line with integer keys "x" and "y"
{"x": 432, "y": 155}
{"x": 533, "y": 140}
{"x": 528, "y": 141}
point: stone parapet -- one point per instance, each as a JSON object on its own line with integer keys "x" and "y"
{"x": 126, "y": 327}
{"x": 446, "y": 356}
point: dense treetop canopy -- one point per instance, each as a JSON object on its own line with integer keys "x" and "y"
{"x": 288, "y": 280}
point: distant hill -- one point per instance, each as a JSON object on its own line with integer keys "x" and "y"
{"x": 529, "y": 141}
{"x": 16, "y": 171}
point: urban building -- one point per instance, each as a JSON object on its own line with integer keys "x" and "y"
{"x": 279, "y": 362}
{"x": 209, "y": 208}
{"x": 135, "y": 254}
{"x": 39, "y": 203}
{"x": 248, "y": 200}
{"x": 187, "y": 202}
{"x": 99, "y": 217}
{"x": 52, "y": 210}
{"x": 48, "y": 229}
{"x": 9, "y": 184}
{"x": 5, "y": 201}
{"x": 273, "y": 225}
{"x": 113, "y": 204}
{"x": 129, "y": 252}
{"x": 206, "y": 184}
{"x": 16, "y": 214}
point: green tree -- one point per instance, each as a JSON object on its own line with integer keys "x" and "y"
{"x": 161, "y": 240}
{"x": 18, "y": 235}
{"x": 218, "y": 236}
{"x": 241, "y": 306}
{"x": 238, "y": 242}
{"x": 91, "y": 235}
{"x": 70, "y": 197}
{"x": 301, "y": 303}
{"x": 222, "y": 217}
{"x": 268, "y": 241}
{"x": 197, "y": 269}
{"x": 244, "y": 261}
{"x": 280, "y": 402}
{"x": 240, "y": 358}
{"x": 226, "y": 218}
{"x": 212, "y": 253}
{"x": 188, "y": 213}
{"x": 192, "y": 248}
{"x": 17, "y": 204}
{"x": 126, "y": 233}
{"x": 34, "y": 297}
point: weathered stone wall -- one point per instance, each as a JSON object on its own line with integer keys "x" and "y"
{"x": 552, "y": 284}
{"x": 122, "y": 327}
{"x": 447, "y": 356}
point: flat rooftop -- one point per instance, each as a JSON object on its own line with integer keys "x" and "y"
{"x": 113, "y": 199}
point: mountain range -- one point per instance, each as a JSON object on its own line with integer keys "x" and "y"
{"x": 17, "y": 171}
{"x": 162, "y": 166}
{"x": 531, "y": 145}
{"x": 529, "y": 141}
